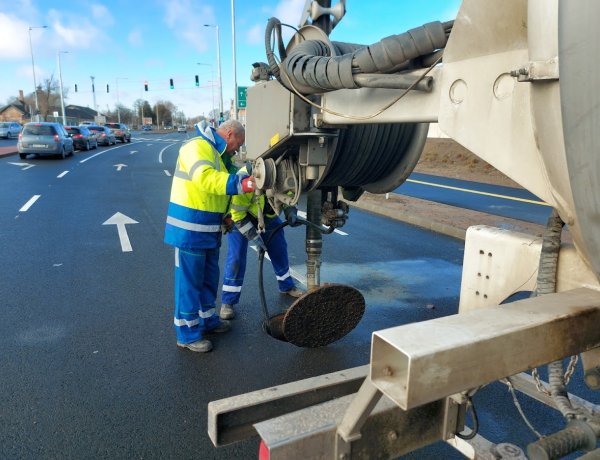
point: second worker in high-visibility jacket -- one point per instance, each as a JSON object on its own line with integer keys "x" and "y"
{"x": 203, "y": 182}
{"x": 244, "y": 213}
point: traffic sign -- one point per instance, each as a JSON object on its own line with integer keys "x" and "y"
{"x": 241, "y": 96}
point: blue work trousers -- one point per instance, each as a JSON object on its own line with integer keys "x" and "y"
{"x": 196, "y": 286}
{"x": 235, "y": 264}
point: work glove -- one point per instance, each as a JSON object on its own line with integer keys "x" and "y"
{"x": 291, "y": 215}
{"x": 248, "y": 184}
{"x": 250, "y": 232}
{"x": 227, "y": 225}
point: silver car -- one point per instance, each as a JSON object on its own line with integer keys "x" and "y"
{"x": 10, "y": 129}
{"x": 105, "y": 135}
{"x": 45, "y": 138}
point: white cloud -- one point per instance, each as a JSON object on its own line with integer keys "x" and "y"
{"x": 255, "y": 35}
{"x": 102, "y": 15}
{"x": 13, "y": 37}
{"x": 74, "y": 34}
{"x": 186, "y": 19}
{"x": 289, "y": 11}
{"x": 135, "y": 38}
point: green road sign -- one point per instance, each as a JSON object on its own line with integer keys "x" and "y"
{"x": 241, "y": 96}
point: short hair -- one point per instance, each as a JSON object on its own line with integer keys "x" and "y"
{"x": 237, "y": 128}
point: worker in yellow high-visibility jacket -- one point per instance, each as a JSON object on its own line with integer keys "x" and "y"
{"x": 203, "y": 181}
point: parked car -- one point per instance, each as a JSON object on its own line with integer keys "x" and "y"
{"x": 83, "y": 138}
{"x": 105, "y": 136}
{"x": 10, "y": 129}
{"x": 181, "y": 129}
{"x": 147, "y": 128}
{"x": 44, "y": 138}
{"x": 122, "y": 132}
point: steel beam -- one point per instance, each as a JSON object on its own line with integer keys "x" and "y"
{"x": 427, "y": 361}
{"x": 232, "y": 419}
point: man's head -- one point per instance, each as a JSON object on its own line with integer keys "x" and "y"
{"x": 234, "y": 134}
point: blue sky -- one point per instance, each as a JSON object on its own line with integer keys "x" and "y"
{"x": 130, "y": 42}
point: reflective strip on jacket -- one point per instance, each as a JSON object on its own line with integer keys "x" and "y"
{"x": 199, "y": 193}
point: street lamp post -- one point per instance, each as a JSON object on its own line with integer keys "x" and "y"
{"x": 235, "y": 93}
{"x": 212, "y": 83}
{"x": 118, "y": 103}
{"x": 219, "y": 67}
{"x": 94, "y": 95}
{"x": 62, "y": 99}
{"x": 37, "y": 105}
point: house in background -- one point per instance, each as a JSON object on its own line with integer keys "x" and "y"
{"x": 19, "y": 112}
{"x": 15, "y": 112}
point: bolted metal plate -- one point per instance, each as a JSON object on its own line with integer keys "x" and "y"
{"x": 323, "y": 315}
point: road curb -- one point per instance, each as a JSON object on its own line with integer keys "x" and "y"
{"x": 6, "y": 151}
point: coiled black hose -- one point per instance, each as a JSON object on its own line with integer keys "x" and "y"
{"x": 311, "y": 68}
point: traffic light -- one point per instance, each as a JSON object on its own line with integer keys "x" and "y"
{"x": 75, "y": 87}
{"x": 197, "y": 81}
{"x": 171, "y": 84}
{"x": 145, "y": 86}
{"x": 107, "y": 90}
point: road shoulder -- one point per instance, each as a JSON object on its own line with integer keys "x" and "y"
{"x": 440, "y": 218}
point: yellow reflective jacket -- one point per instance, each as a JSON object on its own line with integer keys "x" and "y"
{"x": 202, "y": 182}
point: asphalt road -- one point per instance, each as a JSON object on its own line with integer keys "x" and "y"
{"x": 89, "y": 363}
{"x": 514, "y": 203}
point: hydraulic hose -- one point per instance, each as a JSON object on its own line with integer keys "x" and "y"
{"x": 546, "y": 284}
{"x": 261, "y": 259}
{"x": 261, "y": 286}
{"x": 311, "y": 68}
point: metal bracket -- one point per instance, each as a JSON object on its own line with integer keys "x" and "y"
{"x": 537, "y": 70}
{"x": 359, "y": 410}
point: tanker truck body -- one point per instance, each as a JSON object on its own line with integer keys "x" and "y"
{"x": 515, "y": 82}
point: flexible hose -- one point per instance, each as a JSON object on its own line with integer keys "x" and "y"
{"x": 546, "y": 284}
{"x": 273, "y": 24}
{"x": 261, "y": 258}
{"x": 261, "y": 286}
{"x": 311, "y": 68}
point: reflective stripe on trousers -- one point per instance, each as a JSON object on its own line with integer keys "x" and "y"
{"x": 196, "y": 286}
{"x": 235, "y": 263}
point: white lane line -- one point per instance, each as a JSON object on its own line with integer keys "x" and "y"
{"x": 28, "y": 205}
{"x": 101, "y": 152}
{"x": 161, "y": 152}
{"x": 167, "y": 173}
{"x": 62, "y": 174}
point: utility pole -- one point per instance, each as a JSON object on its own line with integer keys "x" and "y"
{"x": 62, "y": 99}
{"x": 235, "y": 93}
{"x": 94, "y": 96}
{"x": 35, "y": 89}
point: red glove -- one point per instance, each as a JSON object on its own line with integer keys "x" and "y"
{"x": 248, "y": 184}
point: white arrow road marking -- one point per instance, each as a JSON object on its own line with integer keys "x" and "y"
{"x": 120, "y": 220}
{"x": 167, "y": 172}
{"x": 120, "y": 166}
{"x": 28, "y": 205}
{"x": 62, "y": 174}
{"x": 303, "y": 214}
{"x": 25, "y": 165}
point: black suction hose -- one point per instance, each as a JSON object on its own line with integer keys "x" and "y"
{"x": 261, "y": 259}
{"x": 261, "y": 287}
